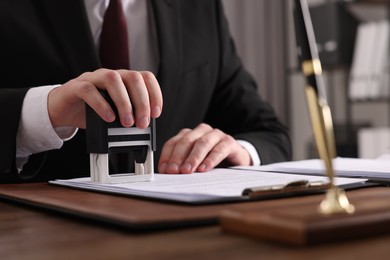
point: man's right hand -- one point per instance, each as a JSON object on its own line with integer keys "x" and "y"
{"x": 131, "y": 91}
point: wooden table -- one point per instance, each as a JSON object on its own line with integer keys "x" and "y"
{"x": 30, "y": 233}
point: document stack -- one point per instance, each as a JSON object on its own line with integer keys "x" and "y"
{"x": 373, "y": 142}
{"x": 369, "y": 76}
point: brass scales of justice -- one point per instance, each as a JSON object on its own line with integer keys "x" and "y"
{"x": 305, "y": 220}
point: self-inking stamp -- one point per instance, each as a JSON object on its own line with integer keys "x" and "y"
{"x": 107, "y": 140}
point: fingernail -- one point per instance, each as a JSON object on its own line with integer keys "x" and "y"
{"x": 144, "y": 122}
{"x": 173, "y": 168}
{"x": 163, "y": 168}
{"x": 110, "y": 116}
{"x": 129, "y": 120}
{"x": 156, "y": 111}
{"x": 186, "y": 167}
{"x": 202, "y": 167}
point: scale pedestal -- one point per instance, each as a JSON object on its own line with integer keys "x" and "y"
{"x": 303, "y": 224}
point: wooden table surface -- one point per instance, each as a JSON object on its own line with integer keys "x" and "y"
{"x": 30, "y": 233}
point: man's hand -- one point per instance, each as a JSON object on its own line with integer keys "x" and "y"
{"x": 130, "y": 91}
{"x": 201, "y": 149}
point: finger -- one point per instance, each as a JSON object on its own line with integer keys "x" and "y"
{"x": 219, "y": 153}
{"x": 111, "y": 81}
{"x": 167, "y": 150}
{"x": 139, "y": 96}
{"x": 155, "y": 95}
{"x": 87, "y": 92}
{"x": 183, "y": 147}
{"x": 201, "y": 149}
{"x": 66, "y": 103}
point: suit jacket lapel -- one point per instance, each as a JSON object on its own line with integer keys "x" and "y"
{"x": 166, "y": 15}
{"x": 70, "y": 26}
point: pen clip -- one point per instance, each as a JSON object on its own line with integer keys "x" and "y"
{"x": 291, "y": 188}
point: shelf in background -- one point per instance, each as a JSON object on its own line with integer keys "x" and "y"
{"x": 372, "y": 1}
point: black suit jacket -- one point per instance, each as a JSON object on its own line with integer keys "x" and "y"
{"x": 202, "y": 79}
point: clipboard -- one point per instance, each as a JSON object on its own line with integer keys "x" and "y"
{"x": 217, "y": 186}
{"x": 139, "y": 215}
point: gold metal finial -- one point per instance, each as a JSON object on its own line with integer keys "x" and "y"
{"x": 335, "y": 200}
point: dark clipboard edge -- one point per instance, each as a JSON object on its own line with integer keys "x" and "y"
{"x": 157, "y": 226}
{"x": 100, "y": 219}
{"x": 378, "y": 180}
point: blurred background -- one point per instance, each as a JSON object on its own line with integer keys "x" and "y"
{"x": 353, "y": 42}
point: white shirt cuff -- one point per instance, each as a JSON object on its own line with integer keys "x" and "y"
{"x": 252, "y": 152}
{"x": 36, "y": 133}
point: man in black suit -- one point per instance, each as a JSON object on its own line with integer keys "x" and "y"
{"x": 212, "y": 113}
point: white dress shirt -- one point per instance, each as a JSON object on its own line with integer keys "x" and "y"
{"x": 36, "y": 134}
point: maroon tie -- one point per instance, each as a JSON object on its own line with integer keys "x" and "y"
{"x": 114, "y": 48}
{"x": 114, "y": 54}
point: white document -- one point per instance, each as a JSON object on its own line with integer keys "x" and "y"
{"x": 379, "y": 57}
{"x": 373, "y": 142}
{"x": 373, "y": 169}
{"x": 361, "y": 69}
{"x": 369, "y": 69}
{"x": 215, "y": 185}
{"x": 356, "y": 73}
